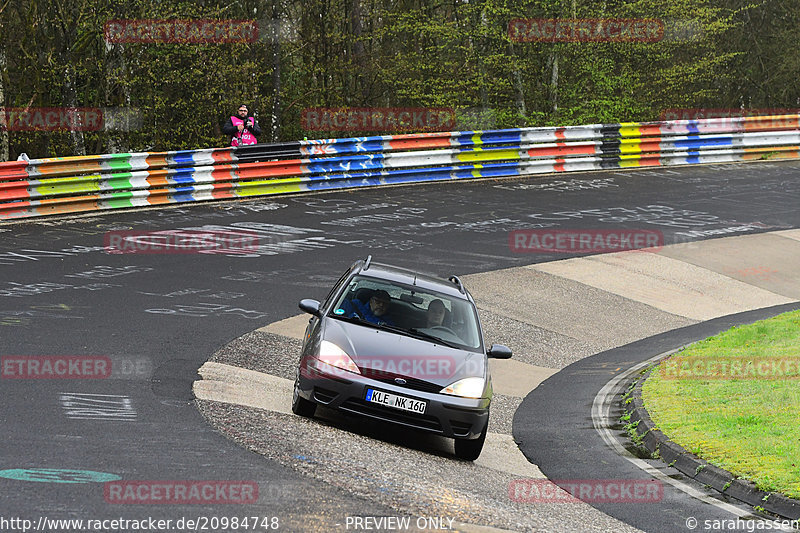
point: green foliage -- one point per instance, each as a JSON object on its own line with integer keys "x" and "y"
{"x": 386, "y": 53}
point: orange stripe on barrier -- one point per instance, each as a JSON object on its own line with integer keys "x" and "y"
{"x": 69, "y": 205}
{"x": 156, "y": 160}
{"x": 65, "y": 167}
{"x": 158, "y": 181}
{"x": 785, "y": 152}
{"x": 159, "y": 197}
{"x": 785, "y": 122}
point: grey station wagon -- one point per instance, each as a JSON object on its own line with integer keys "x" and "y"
{"x": 398, "y": 346}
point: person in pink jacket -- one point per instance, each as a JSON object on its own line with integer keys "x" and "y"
{"x": 242, "y": 129}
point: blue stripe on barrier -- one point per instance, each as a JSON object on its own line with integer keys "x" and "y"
{"x": 183, "y": 157}
{"x": 184, "y": 175}
{"x": 419, "y": 174}
{"x": 501, "y": 136}
{"x": 344, "y": 164}
{"x": 181, "y": 196}
{"x": 699, "y": 143}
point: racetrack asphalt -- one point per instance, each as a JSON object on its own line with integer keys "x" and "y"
{"x": 162, "y": 316}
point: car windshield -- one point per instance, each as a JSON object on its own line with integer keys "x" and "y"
{"x": 416, "y": 312}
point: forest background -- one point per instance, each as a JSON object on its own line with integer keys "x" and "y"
{"x": 455, "y": 54}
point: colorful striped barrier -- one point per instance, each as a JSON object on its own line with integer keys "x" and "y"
{"x": 78, "y": 184}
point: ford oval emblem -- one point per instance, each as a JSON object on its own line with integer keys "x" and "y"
{"x": 400, "y": 381}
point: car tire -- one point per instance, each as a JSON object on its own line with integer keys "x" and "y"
{"x": 469, "y": 450}
{"x": 301, "y": 406}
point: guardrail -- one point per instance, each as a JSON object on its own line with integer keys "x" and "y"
{"x": 78, "y": 184}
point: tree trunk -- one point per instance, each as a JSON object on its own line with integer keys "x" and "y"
{"x": 3, "y": 129}
{"x": 554, "y": 84}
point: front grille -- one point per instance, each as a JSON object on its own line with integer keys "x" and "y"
{"x": 363, "y": 407}
{"x": 411, "y": 383}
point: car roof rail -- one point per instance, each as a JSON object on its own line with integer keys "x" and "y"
{"x": 367, "y": 262}
{"x": 457, "y": 282}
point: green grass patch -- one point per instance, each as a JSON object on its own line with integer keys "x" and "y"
{"x": 734, "y": 400}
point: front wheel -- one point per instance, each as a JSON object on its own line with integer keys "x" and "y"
{"x": 469, "y": 450}
{"x": 301, "y": 406}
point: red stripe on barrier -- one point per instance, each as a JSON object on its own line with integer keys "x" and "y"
{"x": 654, "y": 146}
{"x": 224, "y": 173}
{"x": 223, "y": 156}
{"x": 13, "y": 170}
{"x": 291, "y": 167}
{"x": 436, "y": 142}
{"x": 649, "y": 129}
{"x": 15, "y": 190}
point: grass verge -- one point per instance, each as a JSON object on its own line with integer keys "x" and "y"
{"x": 734, "y": 400}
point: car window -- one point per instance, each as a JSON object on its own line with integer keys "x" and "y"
{"x": 452, "y": 320}
{"x": 335, "y": 288}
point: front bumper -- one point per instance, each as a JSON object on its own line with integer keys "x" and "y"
{"x": 449, "y": 416}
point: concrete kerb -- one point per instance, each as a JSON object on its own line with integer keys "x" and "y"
{"x": 658, "y": 444}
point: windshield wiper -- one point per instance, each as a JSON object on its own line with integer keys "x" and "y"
{"x": 428, "y": 336}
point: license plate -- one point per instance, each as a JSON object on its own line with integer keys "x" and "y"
{"x": 397, "y": 402}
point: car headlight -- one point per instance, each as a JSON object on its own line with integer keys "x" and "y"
{"x": 466, "y": 388}
{"x": 332, "y": 355}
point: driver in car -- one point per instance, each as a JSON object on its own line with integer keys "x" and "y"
{"x": 374, "y": 311}
{"x": 436, "y": 313}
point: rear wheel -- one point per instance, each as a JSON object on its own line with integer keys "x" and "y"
{"x": 301, "y": 406}
{"x": 469, "y": 450}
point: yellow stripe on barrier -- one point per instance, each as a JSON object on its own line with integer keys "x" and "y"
{"x": 630, "y": 129}
{"x": 254, "y": 188}
{"x": 480, "y": 154}
{"x": 630, "y": 146}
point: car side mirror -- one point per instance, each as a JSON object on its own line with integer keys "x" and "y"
{"x": 310, "y": 306}
{"x": 499, "y": 351}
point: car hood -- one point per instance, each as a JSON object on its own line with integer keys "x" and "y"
{"x": 380, "y": 353}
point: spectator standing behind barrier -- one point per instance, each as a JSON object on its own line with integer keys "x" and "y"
{"x": 243, "y": 129}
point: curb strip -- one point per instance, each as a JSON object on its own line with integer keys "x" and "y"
{"x": 700, "y": 470}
